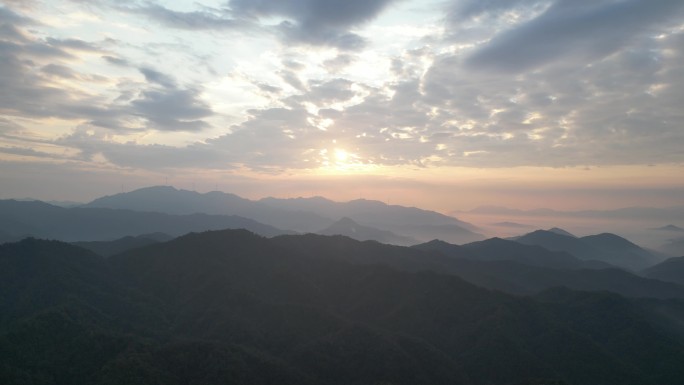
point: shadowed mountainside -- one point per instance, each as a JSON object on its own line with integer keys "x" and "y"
{"x": 233, "y": 306}
{"x": 117, "y": 246}
{"x": 497, "y": 249}
{"x": 670, "y": 270}
{"x": 507, "y": 275}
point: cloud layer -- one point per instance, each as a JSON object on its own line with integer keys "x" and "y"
{"x": 274, "y": 86}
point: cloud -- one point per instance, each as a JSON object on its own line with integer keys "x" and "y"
{"x": 73, "y": 44}
{"x": 117, "y": 61}
{"x": 172, "y": 109}
{"x": 529, "y": 83}
{"x": 10, "y": 17}
{"x": 576, "y": 31}
{"x": 339, "y": 63}
{"x": 154, "y": 76}
{"x": 59, "y": 71}
{"x": 92, "y": 142}
{"x": 207, "y": 19}
{"x": 316, "y": 22}
{"x": 32, "y": 74}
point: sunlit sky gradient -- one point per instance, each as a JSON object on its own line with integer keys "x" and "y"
{"x": 440, "y": 104}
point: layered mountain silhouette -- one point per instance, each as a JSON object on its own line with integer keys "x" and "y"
{"x": 560, "y": 231}
{"x": 347, "y": 227}
{"x": 299, "y": 214}
{"x": 671, "y": 228}
{"x": 166, "y": 199}
{"x": 497, "y": 249}
{"x": 512, "y": 225}
{"x": 670, "y": 270}
{"x": 233, "y": 307}
{"x": 38, "y": 219}
{"x": 507, "y": 274}
{"x": 117, "y": 246}
{"x": 606, "y": 247}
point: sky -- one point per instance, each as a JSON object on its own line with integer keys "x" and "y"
{"x": 441, "y": 104}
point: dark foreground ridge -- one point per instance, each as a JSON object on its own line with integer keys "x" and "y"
{"x": 233, "y": 307}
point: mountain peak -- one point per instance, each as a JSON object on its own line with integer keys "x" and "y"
{"x": 560, "y": 231}
{"x": 670, "y": 227}
{"x": 346, "y": 221}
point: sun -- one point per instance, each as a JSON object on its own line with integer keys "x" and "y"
{"x": 341, "y": 155}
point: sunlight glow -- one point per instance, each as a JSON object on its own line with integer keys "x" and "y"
{"x": 341, "y": 155}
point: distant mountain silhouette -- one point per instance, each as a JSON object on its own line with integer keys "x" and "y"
{"x": 166, "y": 199}
{"x": 670, "y": 270}
{"x": 608, "y": 248}
{"x": 368, "y": 211}
{"x": 347, "y": 227}
{"x": 512, "y": 225}
{"x": 298, "y": 214}
{"x": 671, "y": 228}
{"x": 496, "y": 249}
{"x": 90, "y": 224}
{"x": 233, "y": 307}
{"x": 409, "y": 221}
{"x": 117, "y": 246}
{"x": 561, "y": 232}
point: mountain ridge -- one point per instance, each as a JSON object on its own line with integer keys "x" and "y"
{"x": 296, "y": 214}
{"x": 605, "y": 247}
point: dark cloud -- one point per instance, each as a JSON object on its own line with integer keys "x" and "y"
{"x": 621, "y": 109}
{"x": 465, "y": 9}
{"x": 172, "y": 109}
{"x": 206, "y": 19}
{"x": 292, "y": 79}
{"x": 73, "y": 44}
{"x": 575, "y": 31}
{"x": 330, "y": 91}
{"x": 30, "y": 152}
{"x": 154, "y": 76}
{"x": 9, "y": 16}
{"x": 59, "y": 71}
{"x": 316, "y": 22}
{"x": 116, "y": 61}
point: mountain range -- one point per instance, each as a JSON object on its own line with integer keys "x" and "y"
{"x": 606, "y": 247}
{"x": 497, "y": 249}
{"x": 347, "y": 227}
{"x": 670, "y": 270}
{"x": 299, "y": 214}
{"x": 42, "y": 220}
{"x": 233, "y": 307}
